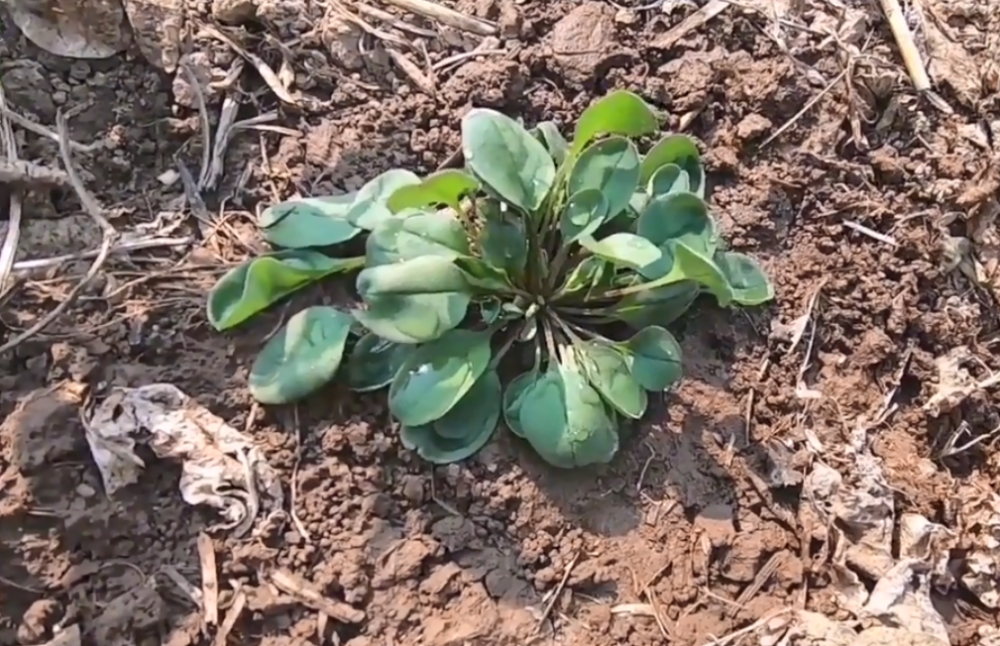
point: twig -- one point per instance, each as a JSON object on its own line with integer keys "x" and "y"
{"x": 209, "y": 579}
{"x": 232, "y": 615}
{"x": 387, "y": 17}
{"x": 309, "y": 596}
{"x": 871, "y": 233}
{"x": 689, "y": 24}
{"x": 128, "y": 245}
{"x": 808, "y": 106}
{"x": 93, "y": 209}
{"x": 185, "y": 586}
{"x": 295, "y": 477}
{"x": 26, "y": 173}
{"x": 556, "y": 593}
{"x": 445, "y": 15}
{"x": 463, "y": 56}
{"x": 423, "y": 82}
{"x": 206, "y": 125}
{"x": 725, "y": 639}
{"x": 907, "y": 46}
{"x": 42, "y": 131}
{"x": 13, "y": 236}
{"x": 265, "y": 70}
{"x": 227, "y": 122}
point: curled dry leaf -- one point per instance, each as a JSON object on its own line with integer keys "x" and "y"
{"x": 221, "y": 467}
{"x": 979, "y": 520}
{"x": 73, "y": 28}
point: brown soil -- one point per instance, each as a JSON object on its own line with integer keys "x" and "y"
{"x": 687, "y": 516}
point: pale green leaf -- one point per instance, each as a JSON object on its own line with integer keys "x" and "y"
{"x": 421, "y": 275}
{"x": 746, "y": 278}
{"x": 679, "y": 217}
{"x": 303, "y": 356}
{"x": 413, "y": 319}
{"x": 370, "y": 206}
{"x": 436, "y": 233}
{"x": 610, "y": 166}
{"x": 680, "y": 150}
{"x": 655, "y": 358}
{"x": 629, "y": 250}
{"x": 668, "y": 179}
{"x": 608, "y": 371}
{"x": 554, "y": 142}
{"x": 308, "y": 222}
{"x": 583, "y": 215}
{"x": 618, "y": 113}
{"x": 445, "y": 187}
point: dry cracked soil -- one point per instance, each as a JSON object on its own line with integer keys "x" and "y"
{"x": 860, "y": 196}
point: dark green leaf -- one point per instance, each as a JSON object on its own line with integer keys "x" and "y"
{"x": 434, "y": 233}
{"x": 437, "y": 375}
{"x": 618, "y": 113}
{"x": 504, "y": 156}
{"x": 610, "y": 166}
{"x": 747, "y": 279}
{"x": 421, "y": 275}
{"x": 655, "y": 358}
{"x": 669, "y": 179}
{"x": 434, "y": 448}
{"x": 374, "y": 362}
{"x": 445, "y": 187}
{"x": 303, "y": 356}
{"x": 629, "y": 250}
{"x": 679, "y": 217}
{"x": 308, "y": 222}
{"x": 565, "y": 420}
{"x": 585, "y": 212}
{"x": 553, "y": 140}
{"x": 413, "y": 319}
{"x": 476, "y": 413}
{"x": 371, "y": 207}
{"x": 660, "y": 306}
{"x": 503, "y": 244}
{"x": 513, "y": 396}
{"x": 251, "y": 287}
{"x": 680, "y": 150}
{"x": 608, "y": 371}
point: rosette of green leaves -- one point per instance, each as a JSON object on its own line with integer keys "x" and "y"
{"x": 566, "y": 257}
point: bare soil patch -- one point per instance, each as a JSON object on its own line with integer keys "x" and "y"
{"x": 872, "y": 207}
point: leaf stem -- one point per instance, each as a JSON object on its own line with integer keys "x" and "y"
{"x": 550, "y": 342}
{"x": 590, "y": 333}
{"x": 505, "y": 348}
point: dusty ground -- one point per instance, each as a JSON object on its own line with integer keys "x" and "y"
{"x": 854, "y": 204}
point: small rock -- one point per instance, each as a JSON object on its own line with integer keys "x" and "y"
{"x": 234, "y": 12}
{"x": 413, "y": 488}
{"x": 583, "y": 42}
{"x": 343, "y": 39}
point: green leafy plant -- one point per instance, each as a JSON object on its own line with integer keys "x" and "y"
{"x": 533, "y": 285}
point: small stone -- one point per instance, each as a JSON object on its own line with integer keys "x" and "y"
{"x": 583, "y": 42}
{"x": 234, "y": 12}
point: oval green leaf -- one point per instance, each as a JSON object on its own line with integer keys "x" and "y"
{"x": 370, "y": 206}
{"x": 423, "y": 441}
{"x": 413, "y": 319}
{"x": 503, "y": 243}
{"x": 610, "y": 166}
{"x": 422, "y": 275}
{"x": 608, "y": 371}
{"x": 302, "y": 357}
{"x": 618, "y": 113}
{"x": 513, "y": 396}
{"x": 445, "y": 187}
{"x": 680, "y": 150}
{"x": 746, "y": 278}
{"x": 689, "y": 265}
{"x": 629, "y": 250}
{"x": 655, "y": 358}
{"x": 477, "y": 412}
{"x": 308, "y": 222}
{"x": 437, "y": 375}
{"x": 253, "y": 286}
{"x": 374, "y": 362}
{"x": 565, "y": 420}
{"x": 505, "y": 157}
{"x": 436, "y": 233}
{"x": 548, "y": 133}
{"x": 660, "y": 306}
{"x": 668, "y": 179}
{"x": 679, "y": 217}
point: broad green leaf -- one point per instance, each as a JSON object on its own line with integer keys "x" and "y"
{"x": 445, "y": 187}
{"x": 477, "y": 412}
{"x": 655, "y": 358}
{"x": 505, "y": 157}
{"x": 669, "y": 179}
{"x": 747, "y": 279}
{"x": 565, "y": 420}
{"x": 629, "y": 250}
{"x": 679, "y": 217}
{"x": 374, "y": 361}
{"x": 370, "y": 206}
{"x": 308, "y": 222}
{"x": 610, "y": 166}
{"x": 689, "y": 265}
{"x": 555, "y": 143}
{"x": 608, "y": 371}
{"x": 660, "y": 306}
{"x": 513, "y": 396}
{"x": 584, "y": 213}
{"x": 680, "y": 150}
{"x": 482, "y": 276}
{"x": 251, "y": 287}
{"x": 421, "y": 275}
{"x": 436, "y": 233}
{"x": 302, "y": 357}
{"x": 437, "y": 375}
{"x": 413, "y": 319}
{"x": 503, "y": 243}
{"x": 618, "y": 113}
{"x": 436, "y": 449}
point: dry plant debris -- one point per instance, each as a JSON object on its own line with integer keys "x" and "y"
{"x": 222, "y": 468}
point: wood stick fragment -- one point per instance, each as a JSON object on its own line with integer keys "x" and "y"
{"x": 309, "y": 596}
{"x": 907, "y": 46}
{"x": 423, "y": 82}
{"x": 445, "y": 15}
{"x": 689, "y": 24}
{"x": 232, "y": 615}
{"x": 209, "y": 579}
